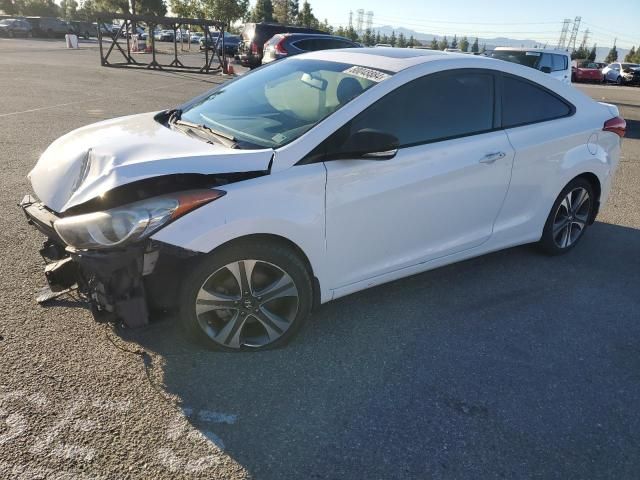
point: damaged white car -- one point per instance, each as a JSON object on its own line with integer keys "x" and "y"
{"x": 315, "y": 177}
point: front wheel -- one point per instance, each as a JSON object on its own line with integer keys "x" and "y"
{"x": 250, "y": 295}
{"x": 619, "y": 81}
{"x": 569, "y": 217}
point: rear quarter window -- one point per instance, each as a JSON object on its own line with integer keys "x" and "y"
{"x": 560, "y": 63}
{"x": 524, "y": 102}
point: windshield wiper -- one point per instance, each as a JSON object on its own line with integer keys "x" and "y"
{"x": 222, "y": 137}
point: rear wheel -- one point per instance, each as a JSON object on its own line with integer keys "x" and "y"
{"x": 620, "y": 81}
{"x": 569, "y": 217}
{"x": 247, "y": 296}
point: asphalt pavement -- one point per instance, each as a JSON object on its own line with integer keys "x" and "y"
{"x": 512, "y": 365}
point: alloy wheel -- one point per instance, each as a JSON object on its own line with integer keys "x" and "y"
{"x": 571, "y": 217}
{"x": 247, "y": 303}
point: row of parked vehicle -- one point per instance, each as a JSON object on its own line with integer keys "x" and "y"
{"x": 48, "y": 27}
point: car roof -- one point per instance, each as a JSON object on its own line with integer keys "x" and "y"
{"x": 383, "y": 58}
{"x": 313, "y": 35}
{"x": 523, "y": 49}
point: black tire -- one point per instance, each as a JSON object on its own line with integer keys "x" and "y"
{"x": 619, "y": 81}
{"x": 11, "y": 34}
{"x": 271, "y": 252}
{"x": 549, "y": 240}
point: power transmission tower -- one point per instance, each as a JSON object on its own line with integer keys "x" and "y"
{"x": 574, "y": 33}
{"x": 369, "y": 20}
{"x": 585, "y": 39}
{"x": 359, "y": 20}
{"x": 563, "y": 33}
{"x": 350, "y": 19}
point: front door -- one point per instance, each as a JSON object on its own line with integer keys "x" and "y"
{"x": 439, "y": 195}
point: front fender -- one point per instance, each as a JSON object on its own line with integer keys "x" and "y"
{"x": 289, "y": 204}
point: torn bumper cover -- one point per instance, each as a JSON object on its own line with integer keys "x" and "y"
{"x": 123, "y": 283}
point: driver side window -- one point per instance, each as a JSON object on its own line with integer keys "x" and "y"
{"x": 432, "y": 108}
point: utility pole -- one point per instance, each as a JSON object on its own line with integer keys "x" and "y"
{"x": 574, "y": 33}
{"x": 350, "y": 19}
{"x": 585, "y": 39}
{"x": 369, "y": 20}
{"x": 563, "y": 34}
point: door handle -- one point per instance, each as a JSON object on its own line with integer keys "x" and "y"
{"x": 492, "y": 157}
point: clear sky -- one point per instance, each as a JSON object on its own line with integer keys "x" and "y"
{"x": 539, "y": 20}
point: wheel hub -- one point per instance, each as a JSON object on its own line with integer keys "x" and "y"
{"x": 247, "y": 303}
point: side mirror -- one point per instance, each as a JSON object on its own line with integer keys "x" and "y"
{"x": 545, "y": 69}
{"x": 370, "y": 143}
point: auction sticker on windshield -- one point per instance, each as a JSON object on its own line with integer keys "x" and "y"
{"x": 367, "y": 73}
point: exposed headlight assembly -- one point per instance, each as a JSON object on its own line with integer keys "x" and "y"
{"x": 130, "y": 223}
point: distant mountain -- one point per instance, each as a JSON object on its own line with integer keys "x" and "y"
{"x": 601, "y": 52}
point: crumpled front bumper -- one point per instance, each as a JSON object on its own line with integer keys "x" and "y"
{"x": 122, "y": 283}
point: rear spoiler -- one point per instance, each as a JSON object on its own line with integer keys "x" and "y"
{"x": 612, "y": 108}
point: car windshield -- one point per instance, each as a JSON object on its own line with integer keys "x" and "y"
{"x": 8, "y": 21}
{"x": 529, "y": 59}
{"x": 274, "y": 105}
{"x": 587, "y": 65}
{"x": 630, "y": 65}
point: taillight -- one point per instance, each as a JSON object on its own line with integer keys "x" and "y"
{"x": 616, "y": 125}
{"x": 254, "y": 48}
{"x": 279, "y": 48}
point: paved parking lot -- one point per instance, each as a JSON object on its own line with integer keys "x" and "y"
{"x": 512, "y": 365}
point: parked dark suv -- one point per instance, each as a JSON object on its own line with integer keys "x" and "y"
{"x": 84, "y": 29}
{"x": 49, "y": 27}
{"x": 231, "y": 43}
{"x": 287, "y": 44}
{"x": 254, "y": 36}
{"x": 14, "y": 27}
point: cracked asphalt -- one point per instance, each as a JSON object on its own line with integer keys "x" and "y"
{"x": 512, "y": 365}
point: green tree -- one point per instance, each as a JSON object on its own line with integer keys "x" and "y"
{"x": 281, "y": 11}
{"x": 306, "y": 17}
{"x": 351, "y": 34}
{"x": 340, "y": 31}
{"x": 384, "y": 39}
{"x": 412, "y": 41}
{"x": 294, "y": 11}
{"x": 378, "y": 38}
{"x": 454, "y": 42}
{"x": 402, "y": 41}
{"x": 368, "y": 39}
{"x": 484, "y": 48}
{"x": 630, "y": 57}
{"x": 262, "y": 12}
{"x": 158, "y": 7}
{"x": 444, "y": 43}
{"x": 475, "y": 48}
{"x": 612, "y": 56}
{"x": 580, "y": 53}
{"x": 464, "y": 44}
{"x": 39, "y": 8}
{"x": 393, "y": 39}
{"x": 434, "y": 44}
{"x": 69, "y": 9}
{"x": 9, "y": 7}
{"x": 592, "y": 54}
{"x": 325, "y": 27}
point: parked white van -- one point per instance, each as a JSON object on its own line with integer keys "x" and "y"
{"x": 556, "y": 63}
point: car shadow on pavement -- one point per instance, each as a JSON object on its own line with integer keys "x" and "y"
{"x": 633, "y": 129}
{"x": 514, "y": 364}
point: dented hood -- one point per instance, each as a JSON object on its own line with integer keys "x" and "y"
{"x": 92, "y": 160}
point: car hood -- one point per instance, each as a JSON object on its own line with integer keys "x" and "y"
{"x": 92, "y": 160}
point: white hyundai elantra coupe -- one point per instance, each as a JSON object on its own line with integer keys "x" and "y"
{"x": 315, "y": 177}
